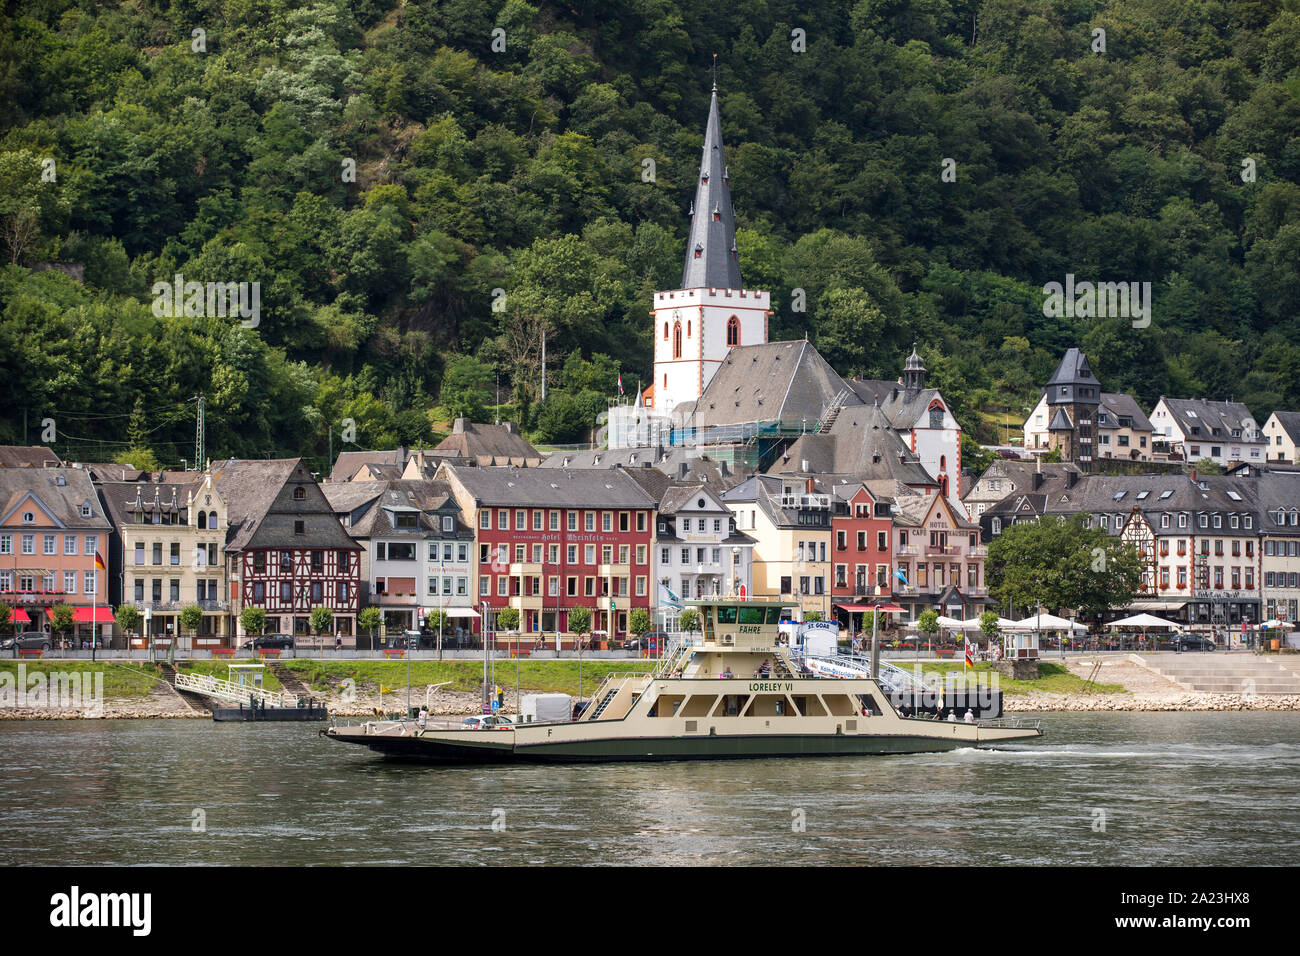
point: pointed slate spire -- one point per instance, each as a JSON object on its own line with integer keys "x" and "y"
{"x": 710, "y": 263}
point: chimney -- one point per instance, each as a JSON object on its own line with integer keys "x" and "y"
{"x": 809, "y": 486}
{"x": 1193, "y": 476}
{"x": 682, "y": 469}
{"x": 511, "y": 428}
{"x": 803, "y": 465}
{"x": 1071, "y": 478}
{"x": 458, "y": 427}
{"x": 1038, "y": 480}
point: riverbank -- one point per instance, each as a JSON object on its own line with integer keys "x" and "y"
{"x": 360, "y": 688}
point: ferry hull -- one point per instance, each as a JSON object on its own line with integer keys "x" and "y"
{"x": 446, "y": 749}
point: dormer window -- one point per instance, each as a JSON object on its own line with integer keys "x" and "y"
{"x": 299, "y": 493}
{"x": 28, "y": 517}
{"x": 85, "y": 510}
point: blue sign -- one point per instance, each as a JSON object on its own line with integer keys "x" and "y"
{"x": 495, "y": 705}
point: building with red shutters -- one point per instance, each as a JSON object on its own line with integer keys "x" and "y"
{"x": 551, "y": 539}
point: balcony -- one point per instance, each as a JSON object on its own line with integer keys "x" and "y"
{"x": 613, "y": 570}
{"x": 526, "y": 602}
{"x": 526, "y": 567}
{"x": 905, "y": 549}
{"x": 212, "y": 607}
{"x": 821, "y": 502}
{"x": 935, "y": 549}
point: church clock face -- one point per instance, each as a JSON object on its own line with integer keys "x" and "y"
{"x": 677, "y": 315}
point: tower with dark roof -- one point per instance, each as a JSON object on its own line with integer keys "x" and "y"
{"x": 913, "y": 370}
{"x": 1073, "y": 397}
{"x": 698, "y": 324}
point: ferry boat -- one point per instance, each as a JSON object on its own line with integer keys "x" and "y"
{"x": 736, "y": 689}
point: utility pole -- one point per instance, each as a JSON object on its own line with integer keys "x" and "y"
{"x": 200, "y": 437}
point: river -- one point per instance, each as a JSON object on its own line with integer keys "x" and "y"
{"x": 1103, "y": 788}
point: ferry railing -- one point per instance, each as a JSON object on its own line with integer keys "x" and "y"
{"x": 892, "y": 678}
{"x": 1012, "y": 723}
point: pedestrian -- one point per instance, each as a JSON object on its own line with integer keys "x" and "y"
{"x": 424, "y": 718}
{"x": 970, "y": 716}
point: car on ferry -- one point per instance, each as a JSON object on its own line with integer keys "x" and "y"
{"x": 487, "y": 722}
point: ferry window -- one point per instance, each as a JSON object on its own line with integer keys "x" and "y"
{"x": 751, "y": 615}
{"x": 726, "y": 614}
{"x": 772, "y": 615}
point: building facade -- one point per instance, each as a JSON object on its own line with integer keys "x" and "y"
{"x": 549, "y": 540}
{"x": 287, "y": 553}
{"x": 169, "y": 548}
{"x": 52, "y": 527}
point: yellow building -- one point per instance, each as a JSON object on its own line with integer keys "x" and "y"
{"x": 790, "y": 522}
{"x": 172, "y": 539}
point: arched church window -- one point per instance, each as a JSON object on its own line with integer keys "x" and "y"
{"x": 688, "y": 328}
{"x": 733, "y": 331}
{"x": 665, "y": 331}
{"x": 677, "y": 340}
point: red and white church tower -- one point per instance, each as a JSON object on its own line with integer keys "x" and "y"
{"x": 712, "y": 312}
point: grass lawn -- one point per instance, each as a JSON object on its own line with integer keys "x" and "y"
{"x": 120, "y": 680}
{"x": 1054, "y": 679}
{"x": 222, "y": 669}
{"x": 557, "y": 676}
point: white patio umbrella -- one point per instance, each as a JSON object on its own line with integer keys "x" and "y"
{"x": 973, "y": 623}
{"x": 951, "y": 623}
{"x": 1274, "y": 622}
{"x": 1045, "y": 622}
{"x": 1145, "y": 620}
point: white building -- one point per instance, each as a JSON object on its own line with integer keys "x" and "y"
{"x": 1196, "y": 429}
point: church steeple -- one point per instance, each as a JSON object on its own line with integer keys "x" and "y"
{"x": 711, "y": 261}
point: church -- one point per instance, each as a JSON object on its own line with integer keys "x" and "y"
{"x": 722, "y": 387}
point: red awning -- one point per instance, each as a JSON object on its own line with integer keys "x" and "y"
{"x": 868, "y": 608}
{"x": 20, "y": 615}
{"x": 97, "y": 615}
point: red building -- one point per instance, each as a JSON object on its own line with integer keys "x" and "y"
{"x": 549, "y": 540}
{"x": 288, "y": 553}
{"x": 861, "y": 552}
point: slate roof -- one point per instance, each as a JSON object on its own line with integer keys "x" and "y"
{"x": 262, "y": 510}
{"x": 862, "y": 443}
{"x": 1117, "y": 405}
{"x": 713, "y": 228}
{"x": 120, "y": 499}
{"x": 1290, "y": 422}
{"x": 1205, "y": 416}
{"x": 1074, "y": 370}
{"x": 348, "y": 463}
{"x": 432, "y": 499}
{"x": 63, "y": 501}
{"x": 681, "y": 462}
{"x": 27, "y": 456}
{"x": 550, "y": 487}
{"x": 775, "y": 381}
{"x": 111, "y": 471}
{"x": 904, "y": 407}
{"x": 486, "y": 445}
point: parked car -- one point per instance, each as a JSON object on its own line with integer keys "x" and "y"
{"x": 29, "y": 641}
{"x": 487, "y": 722}
{"x": 269, "y": 642}
{"x": 1190, "y": 642}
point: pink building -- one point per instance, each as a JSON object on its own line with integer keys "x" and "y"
{"x": 51, "y": 527}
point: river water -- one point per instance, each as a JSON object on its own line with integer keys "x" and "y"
{"x": 1112, "y": 788}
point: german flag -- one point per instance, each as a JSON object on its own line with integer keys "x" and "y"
{"x": 99, "y": 562}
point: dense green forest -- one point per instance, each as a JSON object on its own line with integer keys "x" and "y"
{"x": 380, "y": 168}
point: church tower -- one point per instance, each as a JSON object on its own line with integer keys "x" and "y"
{"x": 695, "y": 326}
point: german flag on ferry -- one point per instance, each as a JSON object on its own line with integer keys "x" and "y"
{"x": 99, "y": 562}
{"x": 970, "y": 653}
